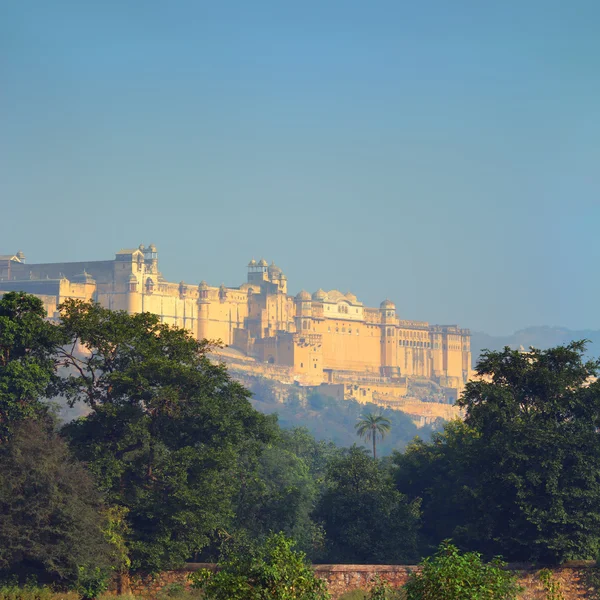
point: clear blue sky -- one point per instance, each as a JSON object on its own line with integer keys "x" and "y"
{"x": 444, "y": 154}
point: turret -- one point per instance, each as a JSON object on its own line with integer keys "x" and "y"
{"x": 203, "y": 310}
{"x": 134, "y": 297}
{"x": 150, "y": 258}
{"x": 303, "y": 310}
{"x": 258, "y": 271}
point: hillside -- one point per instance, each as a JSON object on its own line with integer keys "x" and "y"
{"x": 539, "y": 337}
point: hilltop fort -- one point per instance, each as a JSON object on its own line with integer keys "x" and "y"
{"x": 325, "y": 338}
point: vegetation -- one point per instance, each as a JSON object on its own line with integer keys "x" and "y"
{"x": 272, "y": 570}
{"x": 520, "y": 476}
{"x": 169, "y": 434}
{"x": 366, "y": 519}
{"x": 370, "y": 426}
{"x": 334, "y": 420}
{"x": 27, "y": 363}
{"x": 451, "y": 575}
{"x": 50, "y": 511}
{"x": 171, "y": 463}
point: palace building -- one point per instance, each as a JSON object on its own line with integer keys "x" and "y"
{"x": 324, "y": 337}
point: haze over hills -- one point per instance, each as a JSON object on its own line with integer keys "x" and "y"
{"x": 542, "y": 336}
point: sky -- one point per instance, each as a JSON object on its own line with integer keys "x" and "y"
{"x": 445, "y": 155}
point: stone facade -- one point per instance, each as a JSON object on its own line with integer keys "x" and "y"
{"x": 575, "y": 582}
{"x": 326, "y": 337}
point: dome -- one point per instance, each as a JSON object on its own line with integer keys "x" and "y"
{"x": 152, "y": 248}
{"x": 304, "y": 296}
{"x": 388, "y": 304}
{"x": 320, "y": 295}
{"x": 351, "y": 297}
{"x": 203, "y": 285}
{"x": 252, "y": 263}
{"x": 262, "y": 263}
{"x": 274, "y": 269}
{"x": 84, "y": 277}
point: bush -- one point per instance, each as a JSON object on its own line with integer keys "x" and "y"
{"x": 450, "y": 575}
{"x": 272, "y": 570}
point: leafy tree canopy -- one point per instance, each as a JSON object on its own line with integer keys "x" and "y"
{"x": 51, "y": 519}
{"x": 169, "y": 431}
{"x": 27, "y": 367}
{"x": 521, "y": 477}
{"x": 365, "y": 518}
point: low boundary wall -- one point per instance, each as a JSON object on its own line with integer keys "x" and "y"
{"x": 576, "y": 582}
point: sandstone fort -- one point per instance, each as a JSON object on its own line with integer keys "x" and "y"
{"x": 326, "y": 338}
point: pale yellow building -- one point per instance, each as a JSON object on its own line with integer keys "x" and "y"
{"x": 326, "y": 336}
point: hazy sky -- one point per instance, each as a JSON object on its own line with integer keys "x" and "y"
{"x": 442, "y": 153}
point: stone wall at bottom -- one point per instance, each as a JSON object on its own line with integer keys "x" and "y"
{"x": 575, "y": 582}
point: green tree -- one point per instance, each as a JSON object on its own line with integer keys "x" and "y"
{"x": 366, "y": 519}
{"x": 278, "y": 496}
{"x": 450, "y": 575}
{"x": 168, "y": 434}
{"x": 27, "y": 366}
{"x": 370, "y": 426}
{"x": 442, "y": 475}
{"x": 272, "y": 570}
{"x": 520, "y": 476}
{"x": 538, "y": 417}
{"x": 51, "y": 521}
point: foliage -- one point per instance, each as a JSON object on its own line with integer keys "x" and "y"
{"x": 382, "y": 590}
{"x": 91, "y": 582}
{"x": 50, "y": 521}
{"x": 333, "y": 420}
{"x": 279, "y": 496}
{"x": 365, "y": 518}
{"x": 169, "y": 431}
{"x": 372, "y": 425}
{"x": 538, "y": 415}
{"x": 272, "y": 570}
{"x": 32, "y": 590}
{"x": 451, "y": 575}
{"x": 552, "y": 587}
{"x": 27, "y": 345}
{"x": 521, "y": 476}
{"x": 442, "y": 474}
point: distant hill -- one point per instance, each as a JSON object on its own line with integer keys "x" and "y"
{"x": 540, "y": 337}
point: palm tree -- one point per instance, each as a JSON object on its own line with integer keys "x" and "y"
{"x": 369, "y": 426}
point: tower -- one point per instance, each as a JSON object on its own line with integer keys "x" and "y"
{"x": 388, "y": 338}
{"x": 258, "y": 271}
{"x": 203, "y": 310}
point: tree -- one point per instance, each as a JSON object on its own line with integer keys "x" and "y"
{"x": 366, "y": 519}
{"x": 370, "y": 426}
{"x": 169, "y": 432}
{"x": 272, "y": 570}
{"x": 538, "y": 418}
{"x": 51, "y": 521}
{"x": 279, "y": 496}
{"x": 450, "y": 575}
{"x": 442, "y": 475}
{"x": 27, "y": 366}
{"x": 521, "y": 476}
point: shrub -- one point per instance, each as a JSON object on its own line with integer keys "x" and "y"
{"x": 272, "y": 570}
{"x": 451, "y": 575}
